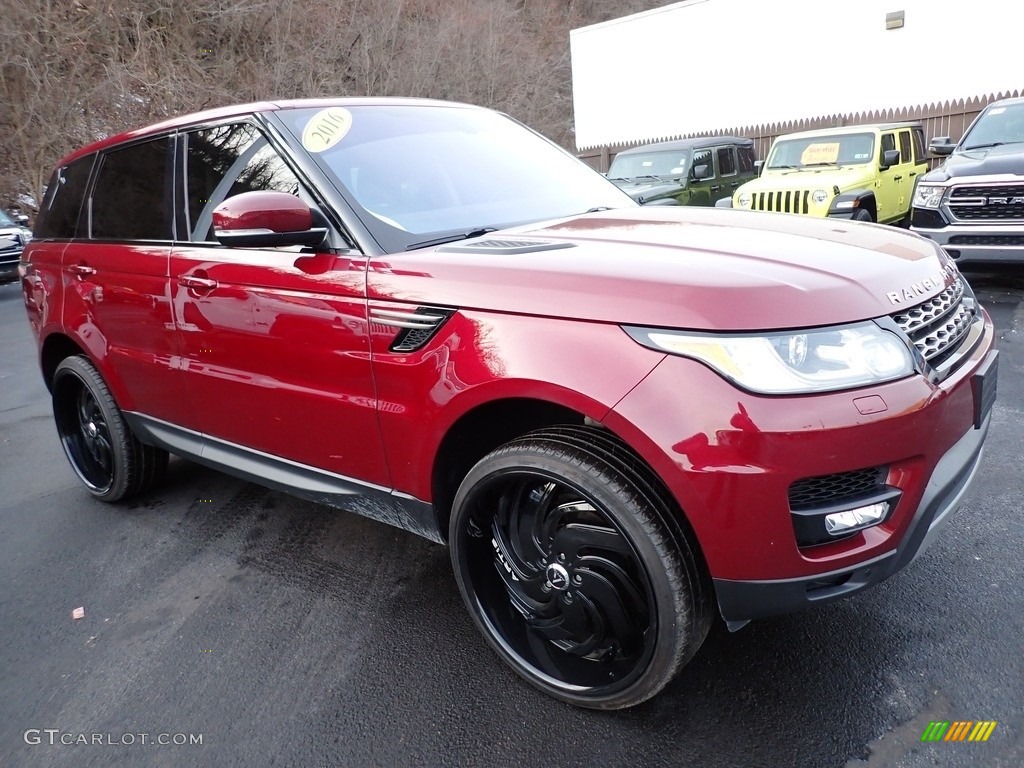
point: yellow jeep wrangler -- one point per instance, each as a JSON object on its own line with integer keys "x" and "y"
{"x": 861, "y": 172}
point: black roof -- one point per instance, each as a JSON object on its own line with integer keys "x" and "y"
{"x": 701, "y": 143}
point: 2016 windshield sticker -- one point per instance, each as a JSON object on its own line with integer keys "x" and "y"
{"x": 326, "y": 128}
{"x": 820, "y": 153}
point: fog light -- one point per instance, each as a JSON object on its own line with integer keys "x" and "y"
{"x": 841, "y": 523}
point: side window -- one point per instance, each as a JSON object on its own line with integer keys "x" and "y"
{"x": 726, "y": 161}
{"x": 225, "y": 161}
{"x": 919, "y": 155}
{"x": 58, "y": 216}
{"x": 132, "y": 194}
{"x": 905, "y": 152}
{"x": 704, "y": 157}
{"x": 888, "y": 142}
{"x": 745, "y": 155}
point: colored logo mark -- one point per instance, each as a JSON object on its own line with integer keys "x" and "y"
{"x": 959, "y": 730}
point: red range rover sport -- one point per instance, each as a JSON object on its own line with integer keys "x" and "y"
{"x": 623, "y": 421}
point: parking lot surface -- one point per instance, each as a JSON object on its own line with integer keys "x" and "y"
{"x": 284, "y": 633}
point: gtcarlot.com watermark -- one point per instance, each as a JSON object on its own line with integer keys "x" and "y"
{"x": 54, "y": 736}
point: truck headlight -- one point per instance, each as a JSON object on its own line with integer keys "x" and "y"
{"x": 792, "y": 362}
{"x": 743, "y": 200}
{"x": 928, "y": 196}
{"x": 819, "y": 196}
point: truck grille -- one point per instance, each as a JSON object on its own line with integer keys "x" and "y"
{"x": 997, "y": 241}
{"x": 783, "y": 201}
{"x": 937, "y": 325}
{"x": 1001, "y": 202}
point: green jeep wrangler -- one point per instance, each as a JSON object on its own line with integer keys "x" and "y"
{"x": 684, "y": 172}
{"x": 861, "y": 172}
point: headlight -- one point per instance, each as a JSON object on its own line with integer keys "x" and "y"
{"x": 928, "y": 196}
{"x": 743, "y": 200}
{"x": 815, "y": 360}
{"x": 819, "y": 196}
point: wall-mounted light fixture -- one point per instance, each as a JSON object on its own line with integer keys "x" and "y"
{"x": 894, "y": 20}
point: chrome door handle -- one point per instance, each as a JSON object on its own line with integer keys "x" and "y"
{"x": 81, "y": 270}
{"x": 197, "y": 283}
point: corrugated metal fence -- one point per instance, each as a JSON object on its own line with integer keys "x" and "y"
{"x": 949, "y": 118}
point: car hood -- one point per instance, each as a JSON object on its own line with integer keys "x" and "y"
{"x": 821, "y": 178}
{"x": 697, "y": 268}
{"x": 995, "y": 161}
{"x": 641, "y": 190}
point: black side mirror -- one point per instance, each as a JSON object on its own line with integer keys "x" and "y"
{"x": 890, "y": 158}
{"x": 942, "y": 146}
{"x": 758, "y": 166}
{"x": 701, "y": 172}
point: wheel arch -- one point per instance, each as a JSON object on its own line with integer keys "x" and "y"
{"x": 55, "y": 348}
{"x": 480, "y": 430}
{"x": 854, "y": 200}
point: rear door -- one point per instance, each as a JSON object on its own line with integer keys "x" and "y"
{"x": 274, "y": 340}
{"x": 728, "y": 175}
{"x": 115, "y": 276}
{"x": 907, "y": 171}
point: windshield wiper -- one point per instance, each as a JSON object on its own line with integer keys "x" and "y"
{"x": 451, "y": 238}
{"x": 784, "y": 167}
{"x": 815, "y": 165}
{"x": 993, "y": 144}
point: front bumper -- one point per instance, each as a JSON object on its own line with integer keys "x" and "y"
{"x": 741, "y": 601}
{"x": 980, "y": 244}
{"x": 732, "y": 463}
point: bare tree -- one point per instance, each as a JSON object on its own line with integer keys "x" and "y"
{"x": 72, "y": 71}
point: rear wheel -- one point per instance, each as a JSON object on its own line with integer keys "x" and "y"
{"x": 103, "y": 452}
{"x": 566, "y": 560}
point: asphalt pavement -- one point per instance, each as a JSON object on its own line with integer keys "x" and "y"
{"x": 280, "y": 633}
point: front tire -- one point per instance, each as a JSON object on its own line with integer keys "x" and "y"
{"x": 108, "y": 459}
{"x": 569, "y": 565}
{"x": 862, "y": 215}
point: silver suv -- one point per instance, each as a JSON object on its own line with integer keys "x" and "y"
{"x": 973, "y": 204}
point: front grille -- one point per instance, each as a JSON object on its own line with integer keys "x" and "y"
{"x": 1003, "y": 241}
{"x": 937, "y": 325}
{"x": 1000, "y": 202}
{"x": 829, "y": 489}
{"x": 783, "y": 201}
{"x": 15, "y": 241}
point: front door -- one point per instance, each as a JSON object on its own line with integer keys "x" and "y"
{"x": 274, "y": 340}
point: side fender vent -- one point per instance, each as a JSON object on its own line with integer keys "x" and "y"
{"x": 416, "y": 326}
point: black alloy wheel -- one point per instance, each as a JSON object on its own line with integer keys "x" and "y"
{"x": 570, "y": 572}
{"x": 102, "y": 450}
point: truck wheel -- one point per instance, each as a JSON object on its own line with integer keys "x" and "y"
{"x": 862, "y": 215}
{"x": 565, "y": 560}
{"x": 102, "y": 450}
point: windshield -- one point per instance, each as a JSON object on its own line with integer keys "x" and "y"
{"x": 427, "y": 171}
{"x": 650, "y": 164}
{"x": 996, "y": 125}
{"x": 5, "y": 220}
{"x": 815, "y": 151}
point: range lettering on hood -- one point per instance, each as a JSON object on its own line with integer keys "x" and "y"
{"x": 922, "y": 287}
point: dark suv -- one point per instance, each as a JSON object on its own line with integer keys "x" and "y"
{"x": 13, "y": 236}
{"x": 623, "y": 420}
{"x": 684, "y": 172}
